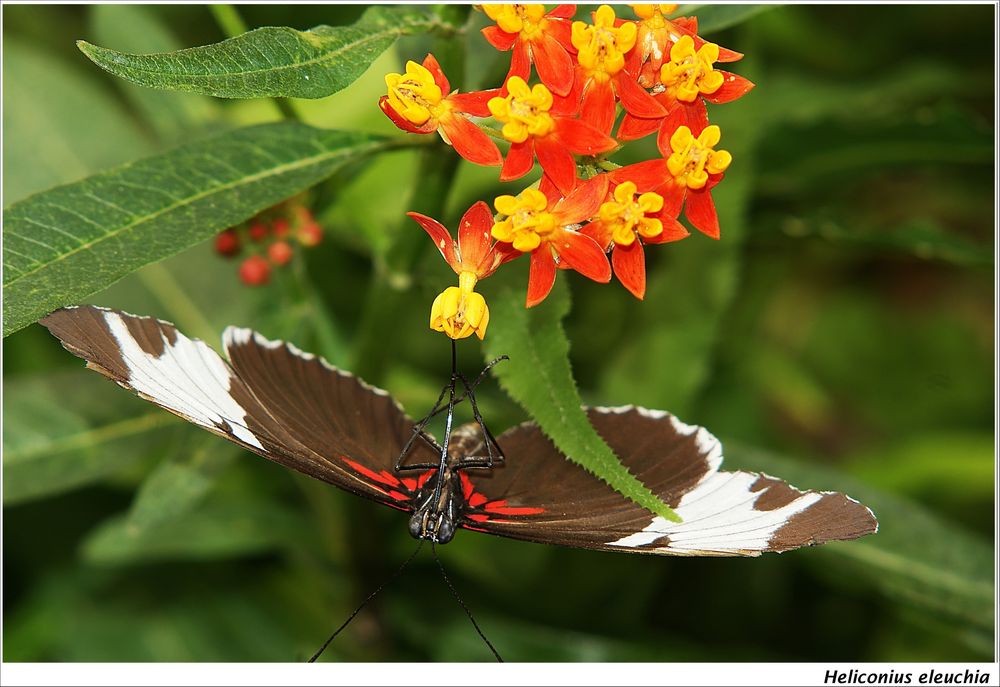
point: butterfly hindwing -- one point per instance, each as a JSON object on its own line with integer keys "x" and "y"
{"x": 188, "y": 378}
{"x": 544, "y": 497}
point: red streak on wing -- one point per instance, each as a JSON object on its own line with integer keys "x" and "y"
{"x": 383, "y": 478}
{"x": 410, "y": 483}
{"x": 478, "y": 517}
{"x": 398, "y": 496}
{"x": 495, "y": 504}
{"x": 477, "y": 500}
{"x": 511, "y": 510}
{"x": 423, "y": 478}
{"x": 467, "y": 487}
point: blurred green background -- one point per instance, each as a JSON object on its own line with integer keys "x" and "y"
{"x": 840, "y": 335}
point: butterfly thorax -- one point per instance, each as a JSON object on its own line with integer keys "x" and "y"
{"x": 439, "y": 501}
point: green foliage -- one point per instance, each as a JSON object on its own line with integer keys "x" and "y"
{"x": 271, "y": 61}
{"x": 539, "y": 377}
{"x": 62, "y": 245}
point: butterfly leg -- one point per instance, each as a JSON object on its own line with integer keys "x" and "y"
{"x": 418, "y": 431}
{"x": 489, "y": 460}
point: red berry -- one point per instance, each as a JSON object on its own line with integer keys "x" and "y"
{"x": 280, "y": 227}
{"x": 310, "y": 234}
{"x": 258, "y": 231}
{"x": 227, "y": 243}
{"x": 255, "y": 271}
{"x": 279, "y": 252}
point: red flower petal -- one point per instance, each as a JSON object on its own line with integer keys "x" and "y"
{"x": 673, "y": 197}
{"x": 584, "y": 202}
{"x": 632, "y": 128}
{"x": 630, "y": 267}
{"x": 647, "y": 176}
{"x": 439, "y": 235}
{"x": 562, "y": 11}
{"x": 700, "y": 211}
{"x": 520, "y": 63}
{"x": 553, "y": 64}
{"x": 677, "y": 116}
{"x": 583, "y": 254}
{"x": 431, "y": 64}
{"x": 734, "y": 86}
{"x": 541, "y": 275}
{"x": 557, "y": 161}
{"x": 549, "y": 188}
{"x": 581, "y": 138}
{"x": 696, "y": 116}
{"x": 672, "y": 231}
{"x": 599, "y": 105}
{"x": 474, "y": 238}
{"x": 406, "y": 125}
{"x": 470, "y": 142}
{"x": 520, "y": 158}
{"x": 474, "y": 103}
{"x": 634, "y": 98}
{"x": 598, "y": 231}
{"x": 498, "y": 38}
{"x": 727, "y": 55}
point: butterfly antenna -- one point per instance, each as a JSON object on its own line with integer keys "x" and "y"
{"x": 364, "y": 603}
{"x": 462, "y": 603}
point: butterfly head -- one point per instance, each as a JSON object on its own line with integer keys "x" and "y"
{"x": 437, "y": 510}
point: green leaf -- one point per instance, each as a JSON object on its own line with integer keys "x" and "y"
{"x": 46, "y": 140}
{"x": 65, "y": 430}
{"x": 539, "y": 377}
{"x": 717, "y": 17}
{"x": 179, "y": 483}
{"x": 915, "y": 557}
{"x": 272, "y": 61}
{"x": 64, "y": 244}
{"x": 218, "y": 529}
{"x": 135, "y": 28}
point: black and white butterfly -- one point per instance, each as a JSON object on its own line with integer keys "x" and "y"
{"x": 301, "y": 412}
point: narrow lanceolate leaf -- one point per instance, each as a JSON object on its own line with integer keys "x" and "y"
{"x": 272, "y": 61}
{"x": 538, "y": 376}
{"x": 63, "y": 431}
{"x": 61, "y": 245}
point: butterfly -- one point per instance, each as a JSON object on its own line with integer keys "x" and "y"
{"x": 299, "y": 411}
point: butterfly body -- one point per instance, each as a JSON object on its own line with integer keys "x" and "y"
{"x": 297, "y": 410}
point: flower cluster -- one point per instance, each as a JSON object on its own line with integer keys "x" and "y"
{"x": 653, "y": 74}
{"x": 269, "y": 238}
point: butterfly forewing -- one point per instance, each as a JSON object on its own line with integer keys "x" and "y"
{"x": 546, "y": 498}
{"x": 241, "y": 403}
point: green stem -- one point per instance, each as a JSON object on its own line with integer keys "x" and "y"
{"x": 231, "y": 23}
{"x": 608, "y": 165}
{"x": 228, "y": 19}
{"x": 179, "y": 306}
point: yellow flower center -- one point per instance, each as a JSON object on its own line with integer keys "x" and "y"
{"x": 689, "y": 73}
{"x": 458, "y": 311}
{"x": 527, "y": 20}
{"x": 524, "y": 112}
{"x": 527, "y": 223}
{"x": 653, "y": 13}
{"x": 602, "y": 47}
{"x": 414, "y": 95}
{"x": 626, "y": 215}
{"x": 693, "y": 159}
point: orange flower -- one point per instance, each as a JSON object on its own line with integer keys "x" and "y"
{"x": 537, "y": 123}
{"x": 626, "y": 222}
{"x": 546, "y": 224}
{"x": 460, "y": 311}
{"x": 682, "y": 74}
{"x": 419, "y": 102}
{"x": 535, "y": 37}
{"x": 602, "y": 78}
{"x": 684, "y": 176}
